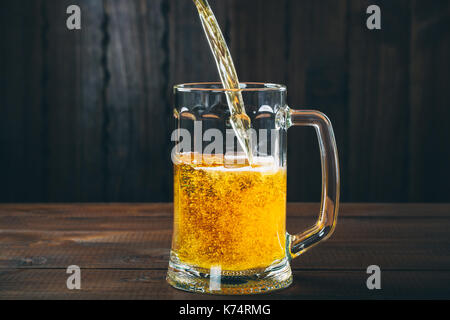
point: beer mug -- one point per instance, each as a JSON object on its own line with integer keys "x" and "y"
{"x": 229, "y": 233}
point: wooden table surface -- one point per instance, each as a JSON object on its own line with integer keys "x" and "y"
{"x": 123, "y": 252}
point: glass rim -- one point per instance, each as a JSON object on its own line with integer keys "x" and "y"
{"x": 207, "y": 87}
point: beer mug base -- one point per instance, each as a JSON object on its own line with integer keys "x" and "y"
{"x": 215, "y": 281}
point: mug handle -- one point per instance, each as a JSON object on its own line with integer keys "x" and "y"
{"x": 326, "y": 223}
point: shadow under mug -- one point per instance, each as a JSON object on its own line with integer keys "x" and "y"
{"x": 229, "y": 232}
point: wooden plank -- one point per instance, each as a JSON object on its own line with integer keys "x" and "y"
{"x": 151, "y": 284}
{"x": 191, "y": 59}
{"x": 90, "y": 153}
{"x": 150, "y": 249}
{"x": 379, "y": 99}
{"x": 22, "y": 28}
{"x": 73, "y": 103}
{"x": 257, "y": 44}
{"x": 14, "y": 211}
{"x": 139, "y": 236}
{"x": 62, "y": 95}
{"x": 429, "y": 133}
{"x": 316, "y": 73}
{"x": 137, "y": 146}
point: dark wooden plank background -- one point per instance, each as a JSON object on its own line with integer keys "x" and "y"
{"x": 85, "y": 115}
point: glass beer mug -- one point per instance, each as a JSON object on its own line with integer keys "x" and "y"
{"x": 229, "y": 232}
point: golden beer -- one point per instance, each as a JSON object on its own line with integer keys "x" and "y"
{"x": 228, "y": 215}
